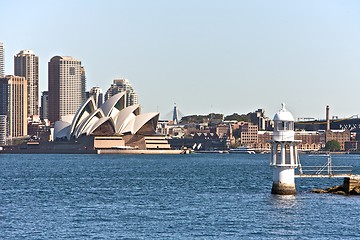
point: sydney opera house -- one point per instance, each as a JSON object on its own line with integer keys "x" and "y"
{"x": 112, "y": 127}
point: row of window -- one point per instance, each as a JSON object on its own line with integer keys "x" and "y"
{"x": 284, "y": 126}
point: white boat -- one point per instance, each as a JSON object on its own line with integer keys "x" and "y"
{"x": 244, "y": 150}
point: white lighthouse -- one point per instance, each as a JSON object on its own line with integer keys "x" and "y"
{"x": 284, "y": 157}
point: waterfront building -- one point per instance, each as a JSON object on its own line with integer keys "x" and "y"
{"x": 248, "y": 134}
{"x": 96, "y": 92}
{"x": 342, "y": 136}
{"x": 37, "y": 128}
{"x": 122, "y": 85}
{"x": 352, "y": 146}
{"x": 3, "y": 130}
{"x": 26, "y": 64}
{"x": 310, "y": 140}
{"x": 223, "y": 130}
{"x": 44, "y": 105}
{"x": 264, "y": 138}
{"x": 13, "y": 104}
{"x": 113, "y": 125}
{"x": 2, "y": 60}
{"x": 65, "y": 87}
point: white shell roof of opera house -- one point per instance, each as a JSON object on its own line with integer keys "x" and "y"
{"x": 124, "y": 120}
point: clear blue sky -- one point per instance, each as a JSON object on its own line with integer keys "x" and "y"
{"x": 218, "y": 56}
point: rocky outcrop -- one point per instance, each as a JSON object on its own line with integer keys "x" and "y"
{"x": 334, "y": 190}
{"x": 351, "y": 186}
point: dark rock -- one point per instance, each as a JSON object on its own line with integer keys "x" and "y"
{"x": 318, "y": 190}
{"x": 335, "y": 189}
{"x": 340, "y": 193}
{"x": 355, "y": 191}
{"x": 339, "y": 190}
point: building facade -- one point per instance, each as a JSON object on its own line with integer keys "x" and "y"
{"x": 44, "y": 105}
{"x": 3, "y": 130}
{"x": 258, "y": 118}
{"x": 249, "y": 134}
{"x": 2, "y": 60}
{"x": 26, "y": 64}
{"x": 13, "y": 104}
{"x": 83, "y": 85}
{"x": 122, "y": 85}
{"x": 342, "y": 136}
{"x": 264, "y": 138}
{"x": 310, "y": 140}
{"x": 65, "y": 87}
{"x": 96, "y": 92}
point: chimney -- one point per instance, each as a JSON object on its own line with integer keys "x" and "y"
{"x": 327, "y": 118}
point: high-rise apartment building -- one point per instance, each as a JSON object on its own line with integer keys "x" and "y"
{"x": 65, "y": 87}
{"x": 83, "y": 85}
{"x": 2, "y": 60}
{"x": 44, "y": 105}
{"x": 13, "y": 104}
{"x": 96, "y": 92}
{"x": 26, "y": 64}
{"x": 122, "y": 85}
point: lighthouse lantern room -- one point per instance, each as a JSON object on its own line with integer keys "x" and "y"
{"x": 284, "y": 157}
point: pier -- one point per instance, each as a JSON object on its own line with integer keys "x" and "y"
{"x": 351, "y": 183}
{"x": 328, "y": 170}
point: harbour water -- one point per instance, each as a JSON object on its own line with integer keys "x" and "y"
{"x": 199, "y": 196}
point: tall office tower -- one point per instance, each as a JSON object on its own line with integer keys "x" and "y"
{"x": 122, "y": 85}
{"x": 64, "y": 83}
{"x": 2, "y": 60}
{"x": 83, "y": 85}
{"x": 96, "y": 92}
{"x": 13, "y": 104}
{"x": 3, "y": 130}
{"x": 26, "y": 65}
{"x": 44, "y": 105}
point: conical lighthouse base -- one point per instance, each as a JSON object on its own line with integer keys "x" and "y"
{"x": 283, "y": 189}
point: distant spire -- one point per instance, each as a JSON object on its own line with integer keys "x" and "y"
{"x": 175, "y": 115}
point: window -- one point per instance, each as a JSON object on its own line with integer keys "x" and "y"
{"x": 284, "y": 126}
{"x": 72, "y": 70}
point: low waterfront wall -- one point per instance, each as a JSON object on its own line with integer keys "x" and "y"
{"x": 138, "y": 151}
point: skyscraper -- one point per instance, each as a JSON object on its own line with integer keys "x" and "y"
{"x": 44, "y": 105}
{"x": 122, "y": 85}
{"x": 64, "y": 83}
{"x": 26, "y": 64}
{"x": 83, "y": 85}
{"x": 96, "y": 92}
{"x": 13, "y": 104}
{"x": 2, "y": 60}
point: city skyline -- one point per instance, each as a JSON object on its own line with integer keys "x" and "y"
{"x": 236, "y": 56}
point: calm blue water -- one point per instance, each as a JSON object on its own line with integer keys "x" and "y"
{"x": 202, "y": 196}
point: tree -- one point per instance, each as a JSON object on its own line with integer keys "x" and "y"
{"x": 332, "y": 146}
{"x": 237, "y": 117}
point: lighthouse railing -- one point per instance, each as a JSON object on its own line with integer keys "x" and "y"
{"x": 316, "y": 170}
{"x": 326, "y": 170}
